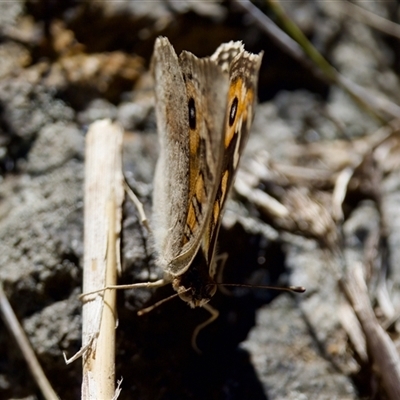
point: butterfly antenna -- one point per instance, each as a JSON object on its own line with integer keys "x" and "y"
{"x": 155, "y": 305}
{"x": 293, "y": 289}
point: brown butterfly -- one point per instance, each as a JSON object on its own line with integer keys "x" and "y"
{"x": 204, "y": 108}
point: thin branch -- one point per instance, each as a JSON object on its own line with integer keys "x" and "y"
{"x": 20, "y": 337}
{"x": 381, "y": 348}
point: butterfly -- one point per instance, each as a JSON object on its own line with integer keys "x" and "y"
{"x": 204, "y": 109}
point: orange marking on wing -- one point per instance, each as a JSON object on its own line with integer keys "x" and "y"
{"x": 194, "y": 169}
{"x": 191, "y": 221}
{"x": 224, "y": 184}
{"x": 220, "y": 201}
{"x": 200, "y": 191}
{"x": 194, "y": 141}
{"x": 197, "y": 197}
{"x": 245, "y": 97}
{"x": 216, "y": 212}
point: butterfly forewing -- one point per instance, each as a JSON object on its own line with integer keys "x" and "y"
{"x": 243, "y": 74}
{"x": 206, "y": 87}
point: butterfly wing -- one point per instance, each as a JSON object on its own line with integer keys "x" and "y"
{"x": 243, "y": 70}
{"x": 190, "y": 106}
{"x": 170, "y": 187}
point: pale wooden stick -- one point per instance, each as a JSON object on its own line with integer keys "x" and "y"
{"x": 104, "y": 194}
{"x": 353, "y": 329}
{"x": 340, "y": 191}
{"x": 261, "y": 199}
{"x": 344, "y": 177}
{"x": 386, "y": 360}
{"x": 19, "y": 335}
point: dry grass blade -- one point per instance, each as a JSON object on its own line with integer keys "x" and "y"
{"x": 19, "y": 335}
{"x": 103, "y": 200}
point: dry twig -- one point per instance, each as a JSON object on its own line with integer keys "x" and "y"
{"x": 19, "y": 335}
{"x": 381, "y": 348}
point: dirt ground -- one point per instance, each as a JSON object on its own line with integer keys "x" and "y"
{"x": 315, "y": 202}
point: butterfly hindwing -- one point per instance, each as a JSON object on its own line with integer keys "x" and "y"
{"x": 172, "y": 170}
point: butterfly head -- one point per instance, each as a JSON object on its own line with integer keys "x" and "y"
{"x": 196, "y": 286}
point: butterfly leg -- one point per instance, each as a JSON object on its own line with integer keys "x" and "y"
{"x": 214, "y": 315}
{"x": 139, "y": 206}
{"x": 155, "y": 284}
{"x": 145, "y": 223}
